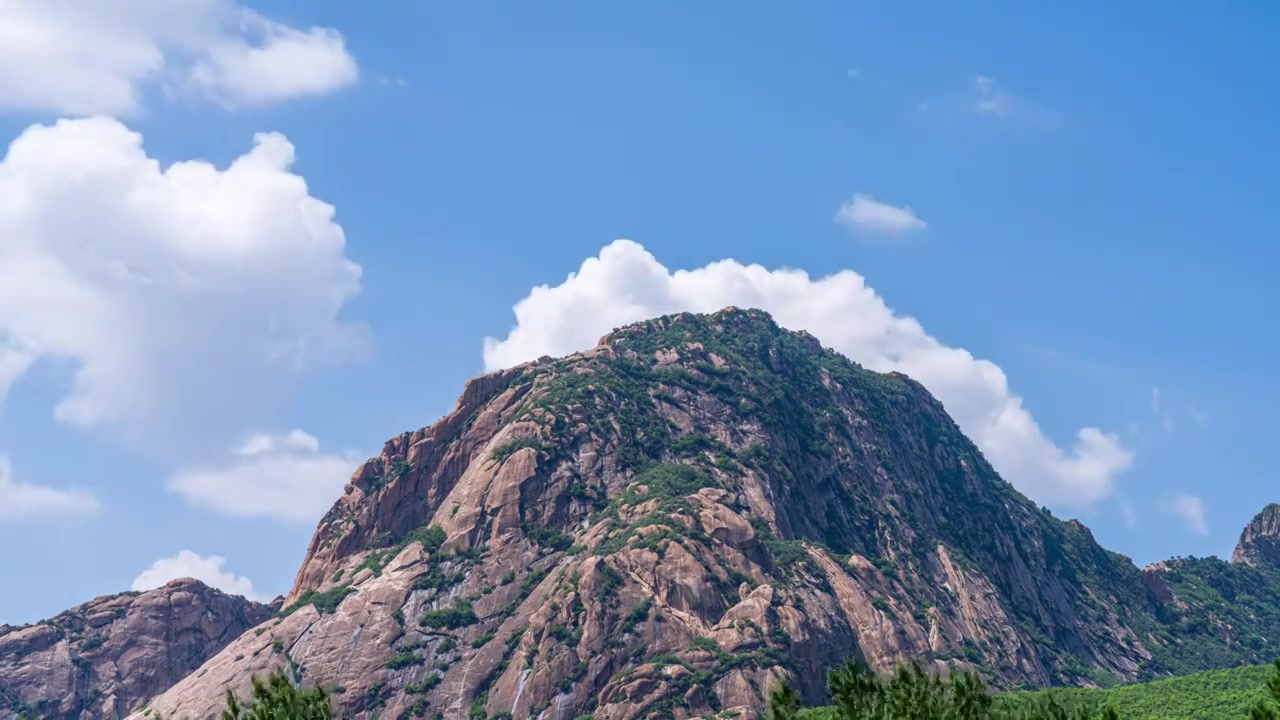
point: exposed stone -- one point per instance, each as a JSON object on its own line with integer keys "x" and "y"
{"x": 106, "y": 657}
{"x": 683, "y": 517}
{"x": 1260, "y": 541}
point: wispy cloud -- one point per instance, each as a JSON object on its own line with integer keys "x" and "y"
{"x": 277, "y": 476}
{"x": 1157, "y": 407}
{"x": 1128, "y": 514}
{"x": 989, "y": 99}
{"x": 21, "y": 501}
{"x": 866, "y": 213}
{"x": 1165, "y": 413}
{"x": 1187, "y": 508}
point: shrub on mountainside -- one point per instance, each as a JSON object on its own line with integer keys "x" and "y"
{"x": 858, "y": 693}
{"x": 276, "y": 698}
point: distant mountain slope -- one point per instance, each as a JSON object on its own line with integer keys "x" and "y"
{"x": 698, "y": 507}
{"x": 105, "y": 657}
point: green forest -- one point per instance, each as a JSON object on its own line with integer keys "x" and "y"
{"x": 1252, "y": 691}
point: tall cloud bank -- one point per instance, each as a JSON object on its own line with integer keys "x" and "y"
{"x": 626, "y": 284}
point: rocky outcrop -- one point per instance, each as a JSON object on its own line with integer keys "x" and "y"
{"x": 678, "y": 519}
{"x": 1260, "y": 541}
{"x": 104, "y": 658}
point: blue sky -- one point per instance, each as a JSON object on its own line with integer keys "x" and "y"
{"x": 1080, "y": 196}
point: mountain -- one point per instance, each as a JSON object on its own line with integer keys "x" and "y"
{"x": 105, "y": 657}
{"x": 693, "y": 510}
{"x": 1260, "y": 541}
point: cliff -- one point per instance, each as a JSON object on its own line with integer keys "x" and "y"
{"x": 104, "y": 658}
{"x": 696, "y": 508}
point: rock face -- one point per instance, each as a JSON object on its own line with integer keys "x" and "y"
{"x": 107, "y": 656}
{"x": 692, "y": 511}
{"x": 1260, "y": 542}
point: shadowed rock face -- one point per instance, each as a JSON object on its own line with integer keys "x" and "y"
{"x": 685, "y": 515}
{"x": 105, "y": 657}
{"x": 1260, "y": 541}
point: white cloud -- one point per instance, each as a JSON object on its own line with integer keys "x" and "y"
{"x": 208, "y": 570}
{"x": 1157, "y": 407}
{"x": 990, "y": 99}
{"x": 1187, "y": 508}
{"x": 626, "y": 284}
{"x": 1128, "y": 514}
{"x": 867, "y": 213}
{"x": 85, "y": 57}
{"x": 14, "y": 363}
{"x": 187, "y": 299}
{"x": 284, "y": 477}
{"x": 20, "y": 501}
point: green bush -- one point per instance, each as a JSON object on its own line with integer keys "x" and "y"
{"x": 279, "y": 698}
{"x": 325, "y": 602}
{"x": 432, "y": 538}
{"x": 458, "y": 616}
{"x": 858, "y": 693}
{"x": 549, "y": 538}
{"x": 404, "y": 660}
{"x": 425, "y": 685}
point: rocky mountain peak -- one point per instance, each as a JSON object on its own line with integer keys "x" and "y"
{"x": 105, "y": 657}
{"x": 1259, "y": 543}
{"x": 684, "y": 515}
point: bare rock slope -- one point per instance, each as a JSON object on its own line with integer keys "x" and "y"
{"x": 677, "y": 519}
{"x": 1260, "y": 541}
{"x": 104, "y": 658}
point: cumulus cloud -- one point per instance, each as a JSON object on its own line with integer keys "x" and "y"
{"x": 185, "y": 300}
{"x": 866, "y": 213}
{"x": 85, "y": 57}
{"x": 208, "y": 570}
{"x": 625, "y": 284}
{"x": 20, "y": 501}
{"x": 284, "y": 477}
{"x": 1187, "y": 508}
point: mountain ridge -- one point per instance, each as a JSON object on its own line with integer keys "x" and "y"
{"x": 1259, "y": 543}
{"x": 104, "y": 657}
{"x": 691, "y": 511}
{"x": 685, "y": 515}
